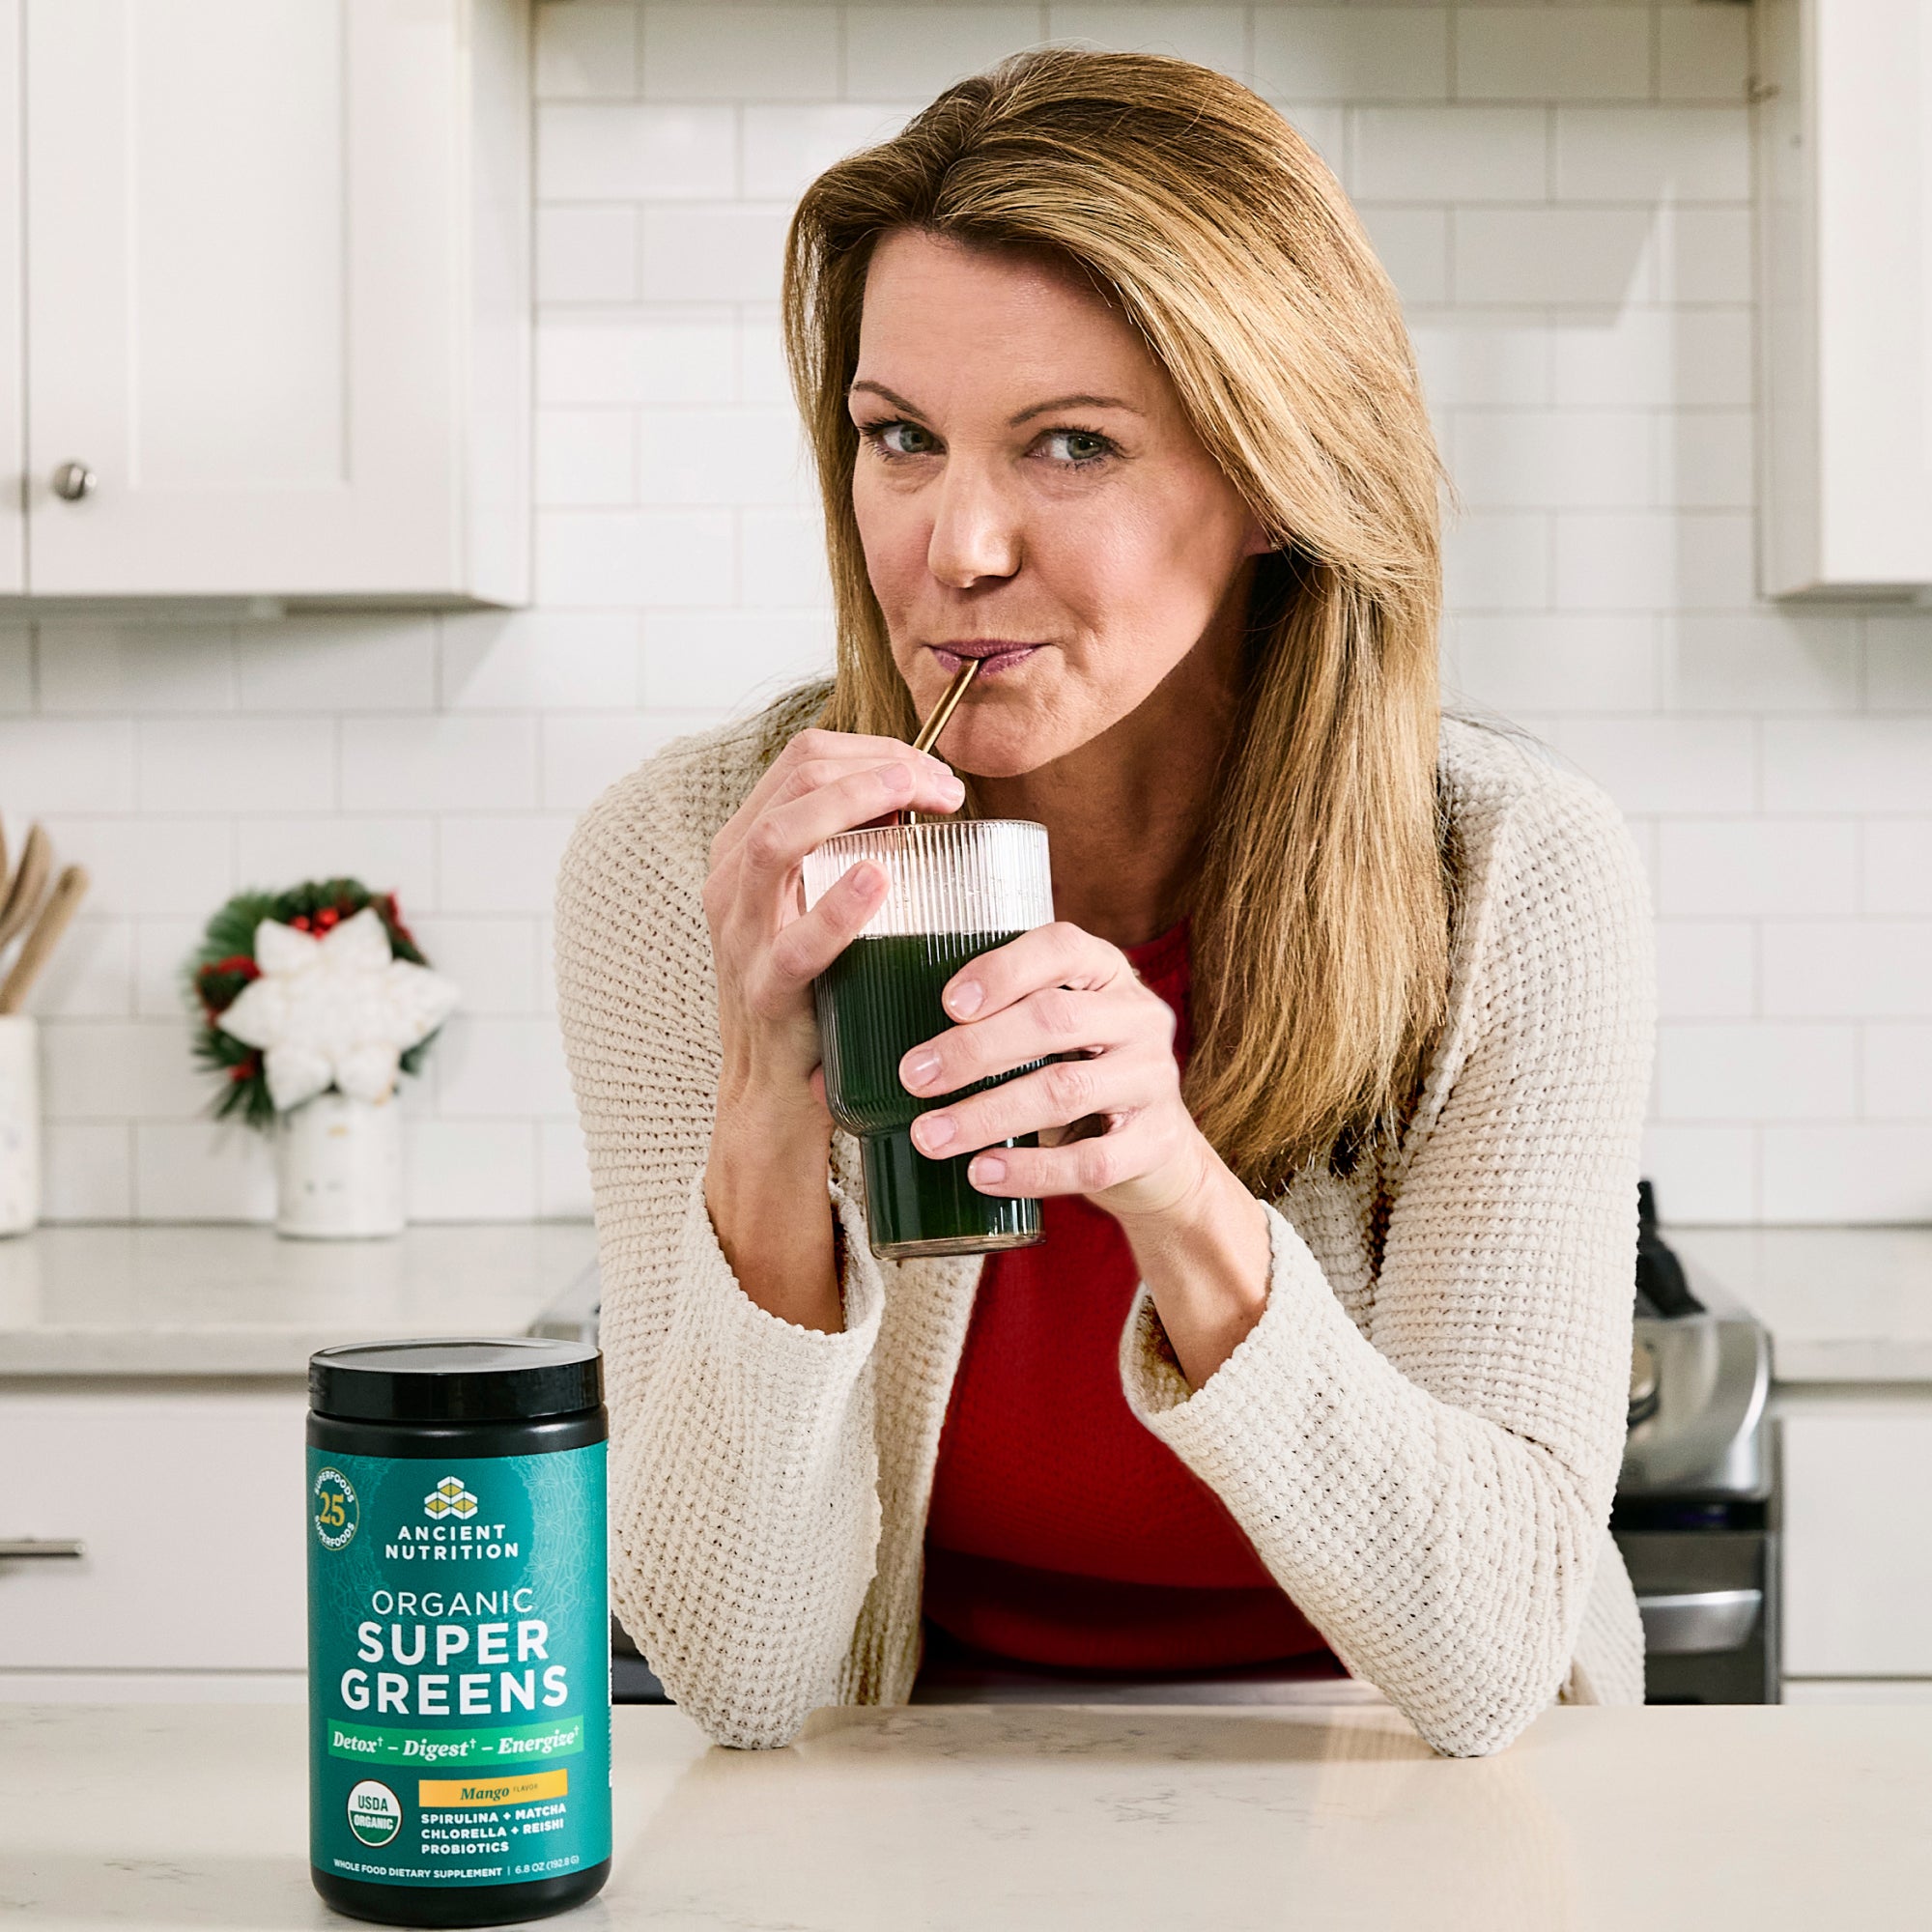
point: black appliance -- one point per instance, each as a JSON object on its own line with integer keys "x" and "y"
{"x": 1697, "y": 1505}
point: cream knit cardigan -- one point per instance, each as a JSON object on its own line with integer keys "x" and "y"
{"x": 1420, "y": 1436}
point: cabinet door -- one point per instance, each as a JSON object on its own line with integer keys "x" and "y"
{"x": 1857, "y": 1543}
{"x": 12, "y": 414}
{"x": 191, "y": 1507}
{"x": 243, "y": 248}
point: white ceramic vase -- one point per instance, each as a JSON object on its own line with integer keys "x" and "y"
{"x": 340, "y": 1169}
{"x": 19, "y": 1123}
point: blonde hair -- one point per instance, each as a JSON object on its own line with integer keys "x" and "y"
{"x": 1319, "y": 928}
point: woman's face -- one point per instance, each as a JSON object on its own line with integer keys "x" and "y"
{"x": 1028, "y": 491}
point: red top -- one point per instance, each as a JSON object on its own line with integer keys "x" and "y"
{"x": 1061, "y": 1531}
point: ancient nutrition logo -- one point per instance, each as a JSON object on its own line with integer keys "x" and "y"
{"x": 450, "y": 1498}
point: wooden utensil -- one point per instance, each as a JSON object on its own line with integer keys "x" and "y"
{"x": 3, "y": 859}
{"x": 69, "y": 888}
{"x": 37, "y": 860}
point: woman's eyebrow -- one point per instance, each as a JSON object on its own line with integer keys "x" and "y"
{"x": 897, "y": 401}
{"x": 1072, "y": 403}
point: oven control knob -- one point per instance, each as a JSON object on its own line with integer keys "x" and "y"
{"x": 1643, "y": 1382}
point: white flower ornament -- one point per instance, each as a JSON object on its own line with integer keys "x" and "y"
{"x": 340, "y": 1009}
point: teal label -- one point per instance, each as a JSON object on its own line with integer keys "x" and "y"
{"x": 459, "y": 1648}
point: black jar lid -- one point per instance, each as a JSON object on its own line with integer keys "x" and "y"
{"x": 515, "y": 1379}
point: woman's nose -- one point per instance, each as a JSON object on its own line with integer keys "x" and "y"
{"x": 975, "y": 532}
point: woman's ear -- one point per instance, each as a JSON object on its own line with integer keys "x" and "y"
{"x": 1258, "y": 542}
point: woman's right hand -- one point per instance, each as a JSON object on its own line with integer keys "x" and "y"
{"x": 764, "y": 1183}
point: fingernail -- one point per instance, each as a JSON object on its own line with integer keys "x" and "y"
{"x": 966, "y": 998}
{"x": 953, "y": 791}
{"x": 989, "y": 1169}
{"x": 918, "y": 1069}
{"x": 933, "y": 1131}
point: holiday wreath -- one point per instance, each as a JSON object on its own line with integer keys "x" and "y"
{"x": 318, "y": 987}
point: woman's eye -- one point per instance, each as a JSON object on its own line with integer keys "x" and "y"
{"x": 1076, "y": 446}
{"x": 901, "y": 439}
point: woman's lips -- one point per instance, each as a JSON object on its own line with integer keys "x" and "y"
{"x": 993, "y": 658}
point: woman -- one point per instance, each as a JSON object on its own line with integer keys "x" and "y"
{"x": 1326, "y": 1353}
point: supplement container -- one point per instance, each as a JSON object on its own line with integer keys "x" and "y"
{"x": 459, "y": 1633}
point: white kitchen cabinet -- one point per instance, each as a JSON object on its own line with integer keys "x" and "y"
{"x": 1857, "y": 1535}
{"x": 189, "y": 1503}
{"x": 1845, "y": 295}
{"x": 275, "y": 295}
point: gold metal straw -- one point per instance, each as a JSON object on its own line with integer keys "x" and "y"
{"x": 929, "y": 732}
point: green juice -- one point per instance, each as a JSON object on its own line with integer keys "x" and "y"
{"x": 876, "y": 1002}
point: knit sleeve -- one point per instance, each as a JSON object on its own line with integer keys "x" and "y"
{"x": 744, "y": 1509}
{"x": 1434, "y": 1493}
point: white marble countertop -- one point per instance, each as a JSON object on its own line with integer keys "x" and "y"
{"x": 1843, "y": 1304}
{"x": 173, "y": 1300}
{"x": 1004, "y": 1819}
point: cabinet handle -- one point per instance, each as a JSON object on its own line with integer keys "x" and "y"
{"x": 38, "y": 1549}
{"x": 1694, "y": 1622}
{"x": 72, "y": 481}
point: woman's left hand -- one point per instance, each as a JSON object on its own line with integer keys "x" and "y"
{"x": 1058, "y": 991}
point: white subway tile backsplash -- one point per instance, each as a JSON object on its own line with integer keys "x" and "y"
{"x": 707, "y": 661}
{"x": 202, "y": 1170}
{"x": 121, "y": 1069}
{"x": 1653, "y": 154}
{"x": 1899, "y": 661}
{"x": 1477, "y": 357}
{"x": 586, "y": 458}
{"x": 539, "y": 660}
{"x": 686, "y": 357}
{"x": 787, "y": 145}
{"x": 501, "y": 1069}
{"x": 1765, "y": 660}
{"x": 1450, "y": 154}
{"x": 1705, "y": 1175}
{"x": 1553, "y": 459}
{"x": 159, "y": 866}
{"x": 452, "y": 761}
{"x": 713, "y": 251}
{"x": 1705, "y": 459}
{"x": 911, "y": 53}
{"x": 87, "y": 1170}
{"x": 1582, "y": 257}
{"x": 1650, "y": 560}
{"x": 1668, "y": 764}
{"x": 1549, "y": 661}
{"x": 1574, "y": 53}
{"x": 1896, "y": 876}
{"x": 1353, "y": 53}
{"x": 470, "y": 1170}
{"x": 582, "y": 754}
{"x": 722, "y": 456}
{"x": 1654, "y": 357}
{"x": 585, "y": 50}
{"x": 1209, "y": 35}
{"x": 1757, "y": 866}
{"x": 563, "y": 1172}
{"x": 162, "y": 949}
{"x": 1412, "y": 246}
{"x": 1497, "y": 560}
{"x": 1703, "y": 53}
{"x": 1848, "y": 969}
{"x": 60, "y": 764}
{"x": 1848, "y": 764}
{"x": 623, "y": 561}
{"x": 237, "y": 764}
{"x": 338, "y": 663}
{"x": 493, "y": 961}
{"x": 629, "y": 152}
{"x": 587, "y": 254}
{"x": 708, "y": 52}
{"x": 1897, "y": 1071}
{"x": 91, "y": 976}
{"x": 1701, "y": 254}
{"x": 1749, "y": 1071}
{"x": 1824, "y": 1175}
{"x": 389, "y": 853}
{"x": 88, "y": 665}
{"x": 1706, "y": 969}
{"x": 498, "y": 862}
{"x": 781, "y": 560}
